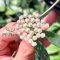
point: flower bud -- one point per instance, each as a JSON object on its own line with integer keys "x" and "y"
{"x": 20, "y": 17}
{"x": 42, "y": 35}
{"x": 34, "y": 38}
{"x": 34, "y": 43}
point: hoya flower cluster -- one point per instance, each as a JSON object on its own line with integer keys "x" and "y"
{"x": 31, "y": 27}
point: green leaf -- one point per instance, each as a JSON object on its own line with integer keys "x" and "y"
{"x": 40, "y": 52}
{"x": 51, "y": 49}
{"x": 54, "y": 27}
{"x": 53, "y": 37}
{"x": 57, "y": 57}
{"x": 11, "y": 11}
{"x": 2, "y": 5}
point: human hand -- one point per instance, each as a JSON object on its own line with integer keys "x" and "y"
{"x": 25, "y": 50}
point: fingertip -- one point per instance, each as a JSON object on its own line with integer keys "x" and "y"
{"x": 25, "y": 51}
{"x": 51, "y": 17}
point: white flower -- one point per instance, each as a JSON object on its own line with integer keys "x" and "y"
{"x": 20, "y": 26}
{"x": 31, "y": 32}
{"x": 34, "y": 43}
{"x": 24, "y": 34}
{"x": 21, "y": 17}
{"x": 30, "y": 24}
{"x": 22, "y": 29}
{"x": 30, "y": 41}
{"x": 31, "y": 27}
{"x": 27, "y": 29}
{"x": 32, "y": 20}
{"x": 38, "y": 24}
{"x": 38, "y": 35}
{"x": 39, "y": 30}
{"x": 25, "y": 25}
{"x": 36, "y": 29}
{"x": 34, "y": 38}
{"x": 26, "y": 20}
{"x": 19, "y": 21}
{"x": 42, "y": 35}
{"x": 25, "y": 38}
{"x": 30, "y": 16}
{"x": 34, "y": 25}
{"x": 37, "y": 20}
{"x": 22, "y": 21}
{"x": 45, "y": 27}
{"x": 36, "y": 15}
{"x": 25, "y": 15}
{"x": 21, "y": 37}
{"x": 43, "y": 21}
{"x": 29, "y": 36}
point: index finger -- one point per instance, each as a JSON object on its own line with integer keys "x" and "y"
{"x": 51, "y": 17}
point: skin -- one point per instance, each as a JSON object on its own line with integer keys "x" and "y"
{"x": 25, "y": 50}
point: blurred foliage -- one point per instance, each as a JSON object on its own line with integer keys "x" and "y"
{"x": 40, "y": 52}
{"x": 10, "y": 10}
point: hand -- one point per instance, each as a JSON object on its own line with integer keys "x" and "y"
{"x": 25, "y": 50}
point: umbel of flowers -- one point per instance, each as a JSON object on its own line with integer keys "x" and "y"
{"x": 31, "y": 27}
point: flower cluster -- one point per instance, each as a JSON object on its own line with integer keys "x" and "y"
{"x": 31, "y": 27}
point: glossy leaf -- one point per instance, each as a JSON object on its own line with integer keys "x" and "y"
{"x": 54, "y": 27}
{"x": 53, "y": 37}
{"x": 40, "y": 52}
{"x": 2, "y": 5}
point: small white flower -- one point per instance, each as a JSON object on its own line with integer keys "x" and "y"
{"x": 32, "y": 20}
{"x": 45, "y": 27}
{"x": 22, "y": 29}
{"x": 36, "y": 15}
{"x": 34, "y": 38}
{"x": 29, "y": 36}
{"x": 19, "y": 21}
{"x": 43, "y": 21}
{"x": 30, "y": 41}
{"x": 22, "y": 21}
{"x": 24, "y": 34}
{"x": 20, "y": 26}
{"x": 29, "y": 24}
{"x": 38, "y": 24}
{"x": 36, "y": 29}
{"x": 25, "y": 38}
{"x": 34, "y": 43}
{"x": 30, "y": 16}
{"x": 21, "y": 37}
{"x": 20, "y": 17}
{"x": 25, "y": 25}
{"x": 38, "y": 35}
{"x": 25, "y": 12}
{"x": 25, "y": 15}
{"x": 42, "y": 35}
{"x": 27, "y": 30}
{"x": 26, "y": 20}
{"x": 39, "y": 30}
{"x": 31, "y": 32}
{"x": 34, "y": 25}
{"x": 37, "y": 20}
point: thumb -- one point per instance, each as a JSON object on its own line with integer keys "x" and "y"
{"x": 25, "y": 51}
